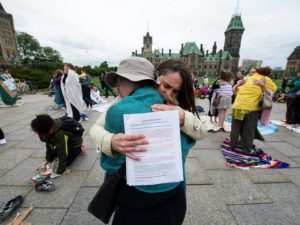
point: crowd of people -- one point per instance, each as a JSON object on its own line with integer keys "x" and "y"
{"x": 168, "y": 86}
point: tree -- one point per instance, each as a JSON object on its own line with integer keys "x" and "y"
{"x": 28, "y": 47}
{"x": 49, "y": 54}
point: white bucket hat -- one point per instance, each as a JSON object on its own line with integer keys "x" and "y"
{"x": 134, "y": 69}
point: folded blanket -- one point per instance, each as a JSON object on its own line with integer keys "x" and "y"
{"x": 238, "y": 159}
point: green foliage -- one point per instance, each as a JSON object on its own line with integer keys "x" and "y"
{"x": 28, "y": 47}
{"x": 49, "y": 54}
{"x": 32, "y": 53}
{"x": 38, "y": 77}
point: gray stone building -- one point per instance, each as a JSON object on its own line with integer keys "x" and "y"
{"x": 8, "y": 40}
{"x": 199, "y": 61}
{"x": 293, "y": 62}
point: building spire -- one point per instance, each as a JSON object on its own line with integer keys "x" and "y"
{"x": 2, "y": 10}
{"x": 237, "y": 8}
{"x": 147, "y": 26}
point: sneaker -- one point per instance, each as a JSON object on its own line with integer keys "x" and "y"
{"x": 84, "y": 117}
{"x": 2, "y": 141}
{"x": 45, "y": 186}
{"x": 10, "y": 207}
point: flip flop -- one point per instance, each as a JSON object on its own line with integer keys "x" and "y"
{"x": 45, "y": 186}
{"x": 9, "y": 207}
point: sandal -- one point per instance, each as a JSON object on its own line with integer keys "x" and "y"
{"x": 45, "y": 186}
{"x": 9, "y": 207}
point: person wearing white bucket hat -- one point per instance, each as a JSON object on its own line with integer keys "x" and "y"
{"x": 174, "y": 85}
{"x": 136, "y": 80}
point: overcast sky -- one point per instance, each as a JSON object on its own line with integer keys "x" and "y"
{"x": 91, "y": 31}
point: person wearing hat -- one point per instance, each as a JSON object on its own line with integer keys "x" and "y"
{"x": 137, "y": 85}
{"x": 174, "y": 82}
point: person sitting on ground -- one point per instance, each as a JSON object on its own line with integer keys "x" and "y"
{"x": 63, "y": 138}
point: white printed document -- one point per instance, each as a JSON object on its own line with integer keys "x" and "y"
{"x": 162, "y": 162}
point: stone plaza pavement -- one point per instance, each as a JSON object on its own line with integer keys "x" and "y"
{"x": 216, "y": 194}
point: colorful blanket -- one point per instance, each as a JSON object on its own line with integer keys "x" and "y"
{"x": 8, "y": 96}
{"x": 238, "y": 159}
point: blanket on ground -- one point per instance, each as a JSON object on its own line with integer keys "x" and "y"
{"x": 238, "y": 159}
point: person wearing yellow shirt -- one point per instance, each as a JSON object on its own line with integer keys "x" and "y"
{"x": 245, "y": 110}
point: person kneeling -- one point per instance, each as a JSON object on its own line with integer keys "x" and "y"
{"x": 63, "y": 138}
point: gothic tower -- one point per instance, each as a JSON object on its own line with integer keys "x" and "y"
{"x": 8, "y": 40}
{"x": 233, "y": 39}
{"x": 147, "y": 48}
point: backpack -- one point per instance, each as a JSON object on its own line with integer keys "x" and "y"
{"x": 70, "y": 125}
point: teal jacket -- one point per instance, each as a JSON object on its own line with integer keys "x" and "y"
{"x": 140, "y": 101}
{"x": 86, "y": 82}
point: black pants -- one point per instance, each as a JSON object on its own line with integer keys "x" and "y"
{"x": 246, "y": 129}
{"x": 76, "y": 114}
{"x": 86, "y": 94}
{"x": 108, "y": 89}
{"x": 1, "y": 134}
{"x": 73, "y": 154}
{"x": 292, "y": 110}
{"x": 140, "y": 208}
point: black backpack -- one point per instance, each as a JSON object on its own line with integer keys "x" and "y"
{"x": 71, "y": 125}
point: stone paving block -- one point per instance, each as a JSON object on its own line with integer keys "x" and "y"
{"x": 286, "y": 149}
{"x": 195, "y": 174}
{"x": 281, "y": 191}
{"x": 217, "y": 137}
{"x": 286, "y": 197}
{"x": 2, "y": 172}
{"x": 259, "y": 214}
{"x": 291, "y": 209}
{"x": 78, "y": 213}
{"x": 207, "y": 144}
{"x": 291, "y": 139}
{"x": 19, "y": 134}
{"x": 296, "y": 159}
{"x": 8, "y": 145}
{"x": 293, "y": 174}
{"x": 9, "y": 192}
{"x": 67, "y": 187}
{"x": 236, "y": 188}
{"x": 84, "y": 162}
{"x": 205, "y": 207}
{"x": 39, "y": 216}
{"x": 32, "y": 141}
{"x": 39, "y": 153}
{"x": 212, "y": 159}
{"x": 22, "y": 173}
{"x": 11, "y": 129}
{"x": 277, "y": 155}
{"x": 12, "y": 157}
{"x": 273, "y": 138}
{"x": 260, "y": 176}
{"x": 96, "y": 176}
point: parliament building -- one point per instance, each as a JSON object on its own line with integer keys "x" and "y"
{"x": 196, "y": 58}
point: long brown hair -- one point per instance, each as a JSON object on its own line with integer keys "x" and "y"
{"x": 185, "y": 96}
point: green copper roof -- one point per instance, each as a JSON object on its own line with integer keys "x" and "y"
{"x": 235, "y": 23}
{"x": 216, "y": 57}
{"x": 191, "y": 47}
{"x": 157, "y": 54}
{"x": 226, "y": 56}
